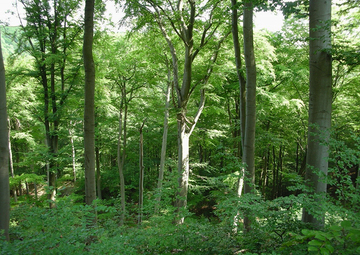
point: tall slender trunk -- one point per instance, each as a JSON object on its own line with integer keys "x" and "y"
{"x": 163, "y": 146}
{"x": 98, "y": 173}
{"x": 358, "y": 177}
{"x": 250, "y": 123}
{"x": 120, "y": 163}
{"x": 242, "y": 85}
{"x": 89, "y": 110}
{"x": 11, "y": 163}
{"x": 73, "y": 152}
{"x": 320, "y": 101}
{"x": 49, "y": 137}
{"x": 240, "y": 74}
{"x": 4, "y": 155}
{"x": 141, "y": 176}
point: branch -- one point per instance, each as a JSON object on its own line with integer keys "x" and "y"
{"x": 197, "y": 116}
{"x": 168, "y": 17}
{"x": 173, "y": 55}
{"x": 213, "y": 60}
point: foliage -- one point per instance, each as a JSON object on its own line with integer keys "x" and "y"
{"x": 338, "y": 239}
{"x": 28, "y": 178}
{"x": 139, "y": 63}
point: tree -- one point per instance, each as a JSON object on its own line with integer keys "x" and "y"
{"x": 185, "y": 20}
{"x": 320, "y": 102}
{"x": 48, "y": 35}
{"x": 239, "y": 71}
{"x": 141, "y": 175}
{"x": 89, "y": 110}
{"x": 247, "y": 173}
{"x": 249, "y": 136}
{"x": 4, "y": 155}
{"x": 164, "y": 138}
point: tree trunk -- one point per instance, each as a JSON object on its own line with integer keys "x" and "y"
{"x": 183, "y": 163}
{"x": 240, "y": 74}
{"x": 358, "y": 177}
{"x": 89, "y": 111}
{"x": 242, "y": 84}
{"x": 250, "y": 123}
{"x": 27, "y": 188}
{"x": 183, "y": 155}
{"x": 120, "y": 163}
{"x": 98, "y": 174}
{"x": 319, "y": 102}
{"x": 4, "y": 155}
{"x": 11, "y": 160}
{"x": 163, "y": 146}
{"x": 141, "y": 176}
{"x": 73, "y": 152}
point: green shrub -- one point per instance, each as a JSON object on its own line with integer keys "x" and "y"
{"x": 337, "y": 239}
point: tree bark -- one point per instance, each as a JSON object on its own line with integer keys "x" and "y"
{"x": 183, "y": 155}
{"x": 98, "y": 173}
{"x": 250, "y": 123}
{"x": 120, "y": 163}
{"x": 320, "y": 101}
{"x": 4, "y": 155}
{"x": 89, "y": 111}
{"x": 73, "y": 152}
{"x": 11, "y": 159}
{"x": 141, "y": 176}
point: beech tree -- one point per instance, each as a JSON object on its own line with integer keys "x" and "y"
{"x": 89, "y": 110}
{"x": 195, "y": 26}
{"x": 47, "y": 37}
{"x": 4, "y": 154}
{"x": 320, "y": 102}
{"x": 247, "y": 98}
{"x": 250, "y": 122}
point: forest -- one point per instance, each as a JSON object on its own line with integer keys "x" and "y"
{"x": 190, "y": 133}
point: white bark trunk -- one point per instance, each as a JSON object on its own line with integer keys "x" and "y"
{"x": 11, "y": 160}
{"x": 183, "y": 165}
{"x": 73, "y": 152}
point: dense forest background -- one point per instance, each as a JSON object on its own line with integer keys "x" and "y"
{"x": 137, "y": 107}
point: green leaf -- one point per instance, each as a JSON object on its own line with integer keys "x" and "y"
{"x": 315, "y": 243}
{"x": 354, "y": 235}
{"x": 313, "y": 248}
{"x": 329, "y": 247}
{"x": 324, "y": 251}
{"x": 335, "y": 228}
{"x": 321, "y": 236}
{"x": 346, "y": 224}
{"x": 307, "y": 232}
{"x": 358, "y": 250}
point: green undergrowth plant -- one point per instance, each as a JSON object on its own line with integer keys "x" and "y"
{"x": 68, "y": 229}
{"x": 336, "y": 239}
{"x": 271, "y": 221}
